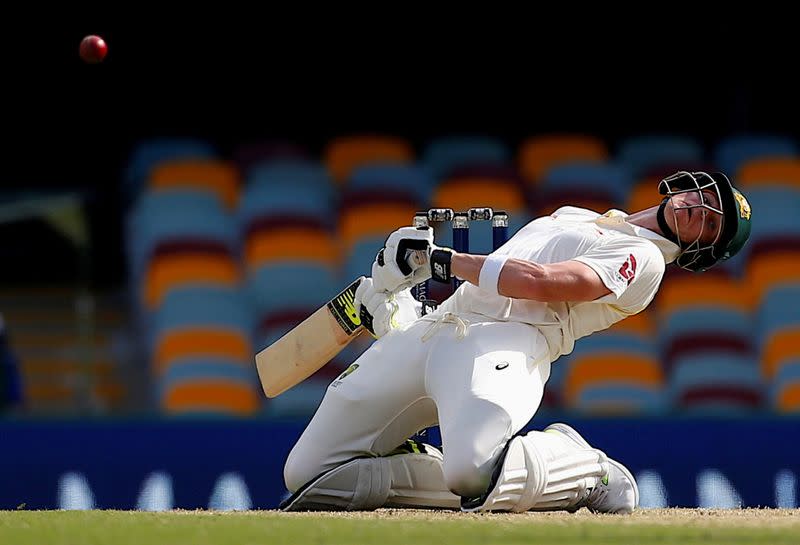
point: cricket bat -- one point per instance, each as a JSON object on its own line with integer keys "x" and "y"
{"x": 311, "y": 344}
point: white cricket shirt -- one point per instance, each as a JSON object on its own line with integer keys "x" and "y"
{"x": 629, "y": 259}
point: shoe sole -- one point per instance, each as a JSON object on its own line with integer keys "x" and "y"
{"x": 575, "y": 437}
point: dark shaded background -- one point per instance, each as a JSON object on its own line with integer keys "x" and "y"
{"x": 307, "y": 77}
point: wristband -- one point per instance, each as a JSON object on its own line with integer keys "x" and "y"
{"x": 489, "y": 276}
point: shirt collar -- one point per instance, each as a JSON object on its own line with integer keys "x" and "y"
{"x": 617, "y": 220}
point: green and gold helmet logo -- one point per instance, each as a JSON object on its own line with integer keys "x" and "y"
{"x": 744, "y": 206}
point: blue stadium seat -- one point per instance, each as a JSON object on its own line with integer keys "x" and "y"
{"x": 697, "y": 327}
{"x": 710, "y": 382}
{"x": 395, "y": 177}
{"x": 152, "y": 152}
{"x": 612, "y": 371}
{"x": 190, "y": 219}
{"x": 206, "y": 368}
{"x": 153, "y": 217}
{"x": 260, "y": 202}
{"x": 734, "y": 151}
{"x": 200, "y": 306}
{"x": 612, "y": 178}
{"x": 622, "y": 397}
{"x": 445, "y": 154}
{"x": 291, "y": 174}
{"x": 276, "y": 287}
{"x": 358, "y": 261}
{"x": 784, "y": 391}
{"x": 644, "y": 154}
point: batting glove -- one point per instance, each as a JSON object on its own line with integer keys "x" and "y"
{"x": 387, "y": 311}
{"x": 403, "y": 261}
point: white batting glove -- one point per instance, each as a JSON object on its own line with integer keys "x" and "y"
{"x": 387, "y": 311}
{"x": 403, "y": 262}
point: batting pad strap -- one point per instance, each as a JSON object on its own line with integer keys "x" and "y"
{"x": 489, "y": 277}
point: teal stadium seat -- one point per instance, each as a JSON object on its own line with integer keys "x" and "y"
{"x": 410, "y": 179}
{"x": 734, "y": 151}
{"x": 596, "y": 186}
{"x": 709, "y": 382}
{"x": 442, "y": 155}
{"x": 646, "y": 153}
{"x": 150, "y": 153}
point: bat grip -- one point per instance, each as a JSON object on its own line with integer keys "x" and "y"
{"x": 416, "y": 258}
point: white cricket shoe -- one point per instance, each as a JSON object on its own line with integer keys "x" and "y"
{"x": 615, "y": 493}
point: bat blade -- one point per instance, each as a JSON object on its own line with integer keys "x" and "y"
{"x": 310, "y": 345}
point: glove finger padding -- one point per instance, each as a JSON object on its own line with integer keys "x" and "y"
{"x": 365, "y": 287}
{"x": 387, "y": 311}
{"x": 402, "y": 262}
{"x": 405, "y": 240}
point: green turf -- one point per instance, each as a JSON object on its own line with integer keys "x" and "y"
{"x": 200, "y": 528}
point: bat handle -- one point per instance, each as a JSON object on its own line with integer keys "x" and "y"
{"x": 417, "y": 259}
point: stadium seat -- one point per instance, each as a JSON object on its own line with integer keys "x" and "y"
{"x": 615, "y": 371}
{"x": 778, "y": 328}
{"x": 785, "y": 389}
{"x": 642, "y": 154}
{"x": 221, "y": 177}
{"x": 368, "y": 220}
{"x": 539, "y": 154}
{"x": 345, "y": 154}
{"x": 443, "y": 155}
{"x": 733, "y": 152}
{"x": 708, "y": 382}
{"x": 293, "y": 243}
{"x": 595, "y": 186}
{"x": 201, "y": 356}
{"x": 709, "y": 312}
{"x": 282, "y": 286}
{"x": 187, "y": 268}
{"x": 150, "y": 153}
{"x": 411, "y": 180}
{"x": 163, "y": 217}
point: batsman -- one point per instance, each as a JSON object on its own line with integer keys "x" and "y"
{"x": 478, "y": 364}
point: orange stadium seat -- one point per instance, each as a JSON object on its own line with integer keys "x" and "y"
{"x": 708, "y": 289}
{"x": 218, "y": 176}
{"x": 771, "y": 171}
{"x": 538, "y": 154}
{"x": 290, "y": 243}
{"x": 644, "y": 195}
{"x": 779, "y": 347}
{"x": 168, "y": 272}
{"x": 201, "y": 341}
{"x": 212, "y": 396}
{"x": 465, "y": 193}
{"x": 372, "y": 220}
{"x": 767, "y": 270}
{"x": 627, "y": 375}
{"x": 346, "y": 153}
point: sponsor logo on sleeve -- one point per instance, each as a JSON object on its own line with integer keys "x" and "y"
{"x": 628, "y": 269}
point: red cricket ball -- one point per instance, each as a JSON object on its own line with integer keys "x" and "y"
{"x": 93, "y": 49}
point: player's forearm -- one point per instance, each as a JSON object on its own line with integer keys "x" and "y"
{"x": 518, "y": 279}
{"x": 467, "y": 266}
{"x": 521, "y": 279}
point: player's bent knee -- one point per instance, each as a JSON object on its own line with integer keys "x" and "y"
{"x": 465, "y": 477}
{"x": 299, "y": 469}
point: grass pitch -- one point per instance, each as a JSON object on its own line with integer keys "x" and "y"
{"x": 389, "y": 526}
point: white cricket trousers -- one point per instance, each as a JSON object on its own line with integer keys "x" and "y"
{"x": 481, "y": 389}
